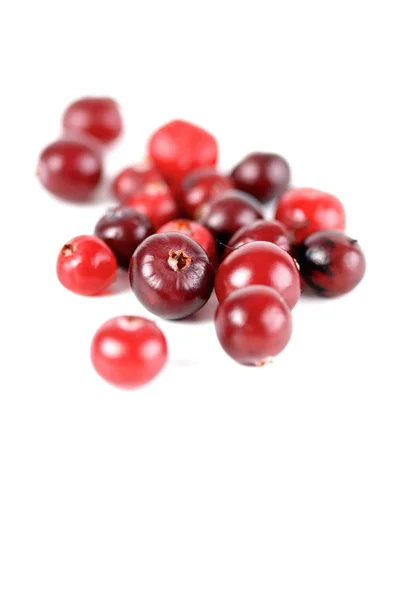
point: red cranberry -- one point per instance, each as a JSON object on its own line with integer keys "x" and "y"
{"x": 86, "y": 265}
{"x": 130, "y": 181}
{"x": 197, "y": 232}
{"x": 224, "y": 215}
{"x": 171, "y": 275}
{"x": 129, "y": 351}
{"x": 261, "y": 231}
{"x": 305, "y": 211}
{"x": 70, "y": 169}
{"x": 179, "y": 147}
{"x": 253, "y": 324}
{"x": 331, "y": 263}
{"x": 262, "y": 175}
{"x": 259, "y": 263}
{"x": 156, "y": 202}
{"x": 201, "y": 186}
{"x": 123, "y": 229}
{"x": 98, "y": 117}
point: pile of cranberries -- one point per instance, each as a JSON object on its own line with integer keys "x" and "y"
{"x": 182, "y": 229}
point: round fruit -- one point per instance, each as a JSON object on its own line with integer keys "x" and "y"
{"x": 197, "y": 232}
{"x": 98, "y": 117}
{"x": 201, "y": 186}
{"x": 171, "y": 275}
{"x": 128, "y": 351}
{"x": 130, "y": 181}
{"x": 156, "y": 202}
{"x": 123, "y": 229}
{"x": 86, "y": 265}
{"x": 70, "y": 169}
{"x": 253, "y": 324}
{"x": 305, "y": 211}
{"x": 262, "y": 175}
{"x": 261, "y": 231}
{"x": 259, "y": 263}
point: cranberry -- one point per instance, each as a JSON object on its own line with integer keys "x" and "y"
{"x": 261, "y": 231}
{"x": 229, "y": 212}
{"x": 262, "y": 175}
{"x": 331, "y": 263}
{"x": 305, "y": 211}
{"x": 259, "y": 263}
{"x": 253, "y": 324}
{"x": 70, "y": 169}
{"x": 86, "y": 265}
{"x": 130, "y": 181}
{"x": 197, "y": 232}
{"x": 123, "y": 229}
{"x": 128, "y": 351}
{"x": 156, "y": 202}
{"x": 201, "y": 186}
{"x": 179, "y": 147}
{"x": 98, "y": 117}
{"x": 171, "y": 275}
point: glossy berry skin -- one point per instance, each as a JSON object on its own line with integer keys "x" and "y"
{"x": 305, "y": 211}
{"x": 179, "y": 147}
{"x": 86, "y": 265}
{"x": 331, "y": 263}
{"x": 128, "y": 351}
{"x": 70, "y": 169}
{"x": 98, "y": 117}
{"x": 156, "y": 201}
{"x": 261, "y": 231}
{"x": 262, "y": 175}
{"x": 199, "y": 187}
{"x": 171, "y": 275}
{"x": 196, "y": 232}
{"x": 132, "y": 179}
{"x": 259, "y": 263}
{"x": 253, "y": 324}
{"x": 229, "y": 212}
{"x": 123, "y": 229}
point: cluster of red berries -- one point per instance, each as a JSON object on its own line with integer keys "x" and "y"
{"x": 182, "y": 229}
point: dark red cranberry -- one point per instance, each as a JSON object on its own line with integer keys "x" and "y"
{"x": 98, "y": 117}
{"x": 197, "y": 232}
{"x": 86, "y": 265}
{"x": 331, "y": 263}
{"x": 129, "y": 351}
{"x": 179, "y": 147}
{"x": 123, "y": 229}
{"x": 201, "y": 186}
{"x": 171, "y": 275}
{"x": 259, "y": 263}
{"x": 224, "y": 215}
{"x": 261, "y": 231}
{"x": 131, "y": 180}
{"x": 253, "y": 324}
{"x": 156, "y": 202}
{"x": 262, "y": 175}
{"x": 305, "y": 211}
{"x": 70, "y": 169}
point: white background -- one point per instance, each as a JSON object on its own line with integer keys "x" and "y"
{"x": 216, "y": 481}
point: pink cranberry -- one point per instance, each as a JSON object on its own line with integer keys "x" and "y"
{"x": 201, "y": 186}
{"x": 262, "y": 175}
{"x": 131, "y": 180}
{"x": 261, "y": 231}
{"x": 98, "y": 117}
{"x": 156, "y": 202}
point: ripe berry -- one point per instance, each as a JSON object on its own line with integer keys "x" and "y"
{"x": 70, "y": 169}
{"x": 86, "y": 265}
{"x": 262, "y": 175}
{"x": 331, "y": 263}
{"x": 253, "y": 324}
{"x": 156, "y": 202}
{"x": 129, "y": 181}
{"x": 305, "y": 211}
{"x": 261, "y": 231}
{"x": 259, "y": 263}
{"x": 123, "y": 229}
{"x": 197, "y": 232}
{"x": 171, "y": 275}
{"x": 128, "y": 351}
{"x": 201, "y": 186}
{"x": 179, "y": 147}
{"x": 229, "y": 212}
{"x": 98, "y": 117}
